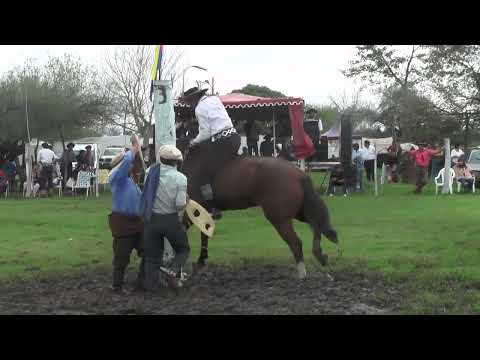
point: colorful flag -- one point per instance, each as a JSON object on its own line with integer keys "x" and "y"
{"x": 157, "y": 65}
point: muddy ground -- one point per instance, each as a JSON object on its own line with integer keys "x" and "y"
{"x": 248, "y": 289}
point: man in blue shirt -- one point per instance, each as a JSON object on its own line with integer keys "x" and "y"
{"x": 164, "y": 196}
{"x": 125, "y": 221}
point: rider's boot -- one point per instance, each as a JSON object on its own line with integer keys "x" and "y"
{"x": 216, "y": 214}
{"x": 207, "y": 195}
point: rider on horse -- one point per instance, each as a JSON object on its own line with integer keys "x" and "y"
{"x": 218, "y": 138}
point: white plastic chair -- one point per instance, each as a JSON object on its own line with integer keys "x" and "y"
{"x": 83, "y": 182}
{"x": 439, "y": 180}
{"x": 35, "y": 188}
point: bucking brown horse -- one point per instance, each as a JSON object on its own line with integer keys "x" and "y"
{"x": 282, "y": 190}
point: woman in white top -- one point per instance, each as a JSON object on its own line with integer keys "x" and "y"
{"x": 456, "y": 153}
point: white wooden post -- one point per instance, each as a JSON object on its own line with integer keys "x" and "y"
{"x": 96, "y": 173}
{"x": 274, "y": 136}
{"x": 446, "y": 176}
{"x": 165, "y": 133}
{"x": 375, "y": 172}
{"x": 28, "y": 169}
{"x": 384, "y": 172}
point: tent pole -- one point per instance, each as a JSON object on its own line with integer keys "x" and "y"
{"x": 274, "y": 136}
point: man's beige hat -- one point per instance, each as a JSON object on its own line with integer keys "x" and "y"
{"x": 170, "y": 152}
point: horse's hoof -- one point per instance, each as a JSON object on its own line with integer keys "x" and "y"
{"x": 200, "y": 266}
{"x": 302, "y": 273}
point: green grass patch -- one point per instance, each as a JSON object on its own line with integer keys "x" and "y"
{"x": 426, "y": 244}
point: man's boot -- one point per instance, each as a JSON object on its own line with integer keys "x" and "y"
{"x": 152, "y": 277}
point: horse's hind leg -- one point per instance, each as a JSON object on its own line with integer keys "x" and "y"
{"x": 288, "y": 234}
{"x": 317, "y": 250}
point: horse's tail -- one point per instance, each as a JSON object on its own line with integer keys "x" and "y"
{"x": 316, "y": 212}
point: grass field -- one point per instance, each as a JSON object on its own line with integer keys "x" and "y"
{"x": 428, "y": 245}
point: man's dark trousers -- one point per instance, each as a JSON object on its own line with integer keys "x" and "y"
{"x": 160, "y": 227}
{"x": 127, "y": 233}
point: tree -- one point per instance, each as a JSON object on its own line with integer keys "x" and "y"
{"x": 62, "y": 99}
{"x": 128, "y": 83}
{"x": 453, "y": 73}
{"x": 386, "y": 67}
{"x": 361, "y": 114}
{"x": 421, "y": 119}
{"x": 261, "y": 91}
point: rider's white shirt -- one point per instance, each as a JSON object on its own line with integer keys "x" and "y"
{"x": 212, "y": 118}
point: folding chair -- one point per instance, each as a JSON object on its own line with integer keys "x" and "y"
{"x": 83, "y": 182}
{"x": 103, "y": 178}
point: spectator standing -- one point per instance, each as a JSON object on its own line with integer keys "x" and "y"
{"x": 46, "y": 158}
{"x": 394, "y": 153}
{"x": 358, "y": 163}
{"x": 11, "y": 171}
{"x": 422, "y": 158}
{"x": 66, "y": 161}
{"x": 369, "y": 160}
{"x": 252, "y": 133}
{"x": 89, "y": 158}
{"x": 438, "y": 162}
{"x": 266, "y": 147}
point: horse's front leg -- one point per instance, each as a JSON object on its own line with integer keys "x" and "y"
{"x": 202, "y": 259}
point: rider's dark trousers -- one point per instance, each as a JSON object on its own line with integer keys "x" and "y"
{"x": 212, "y": 159}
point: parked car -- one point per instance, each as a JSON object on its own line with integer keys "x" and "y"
{"x": 474, "y": 162}
{"x": 78, "y": 147}
{"x": 108, "y": 155}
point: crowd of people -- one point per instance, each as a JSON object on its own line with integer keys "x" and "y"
{"x": 48, "y": 170}
{"x": 427, "y": 159}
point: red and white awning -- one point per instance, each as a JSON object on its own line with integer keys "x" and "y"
{"x": 242, "y": 101}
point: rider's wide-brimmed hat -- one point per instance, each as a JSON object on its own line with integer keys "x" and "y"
{"x": 170, "y": 152}
{"x": 192, "y": 92}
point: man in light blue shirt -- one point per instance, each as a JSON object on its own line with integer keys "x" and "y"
{"x": 164, "y": 196}
{"x": 358, "y": 162}
{"x": 125, "y": 222}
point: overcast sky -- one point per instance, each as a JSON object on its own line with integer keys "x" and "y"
{"x": 308, "y": 71}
